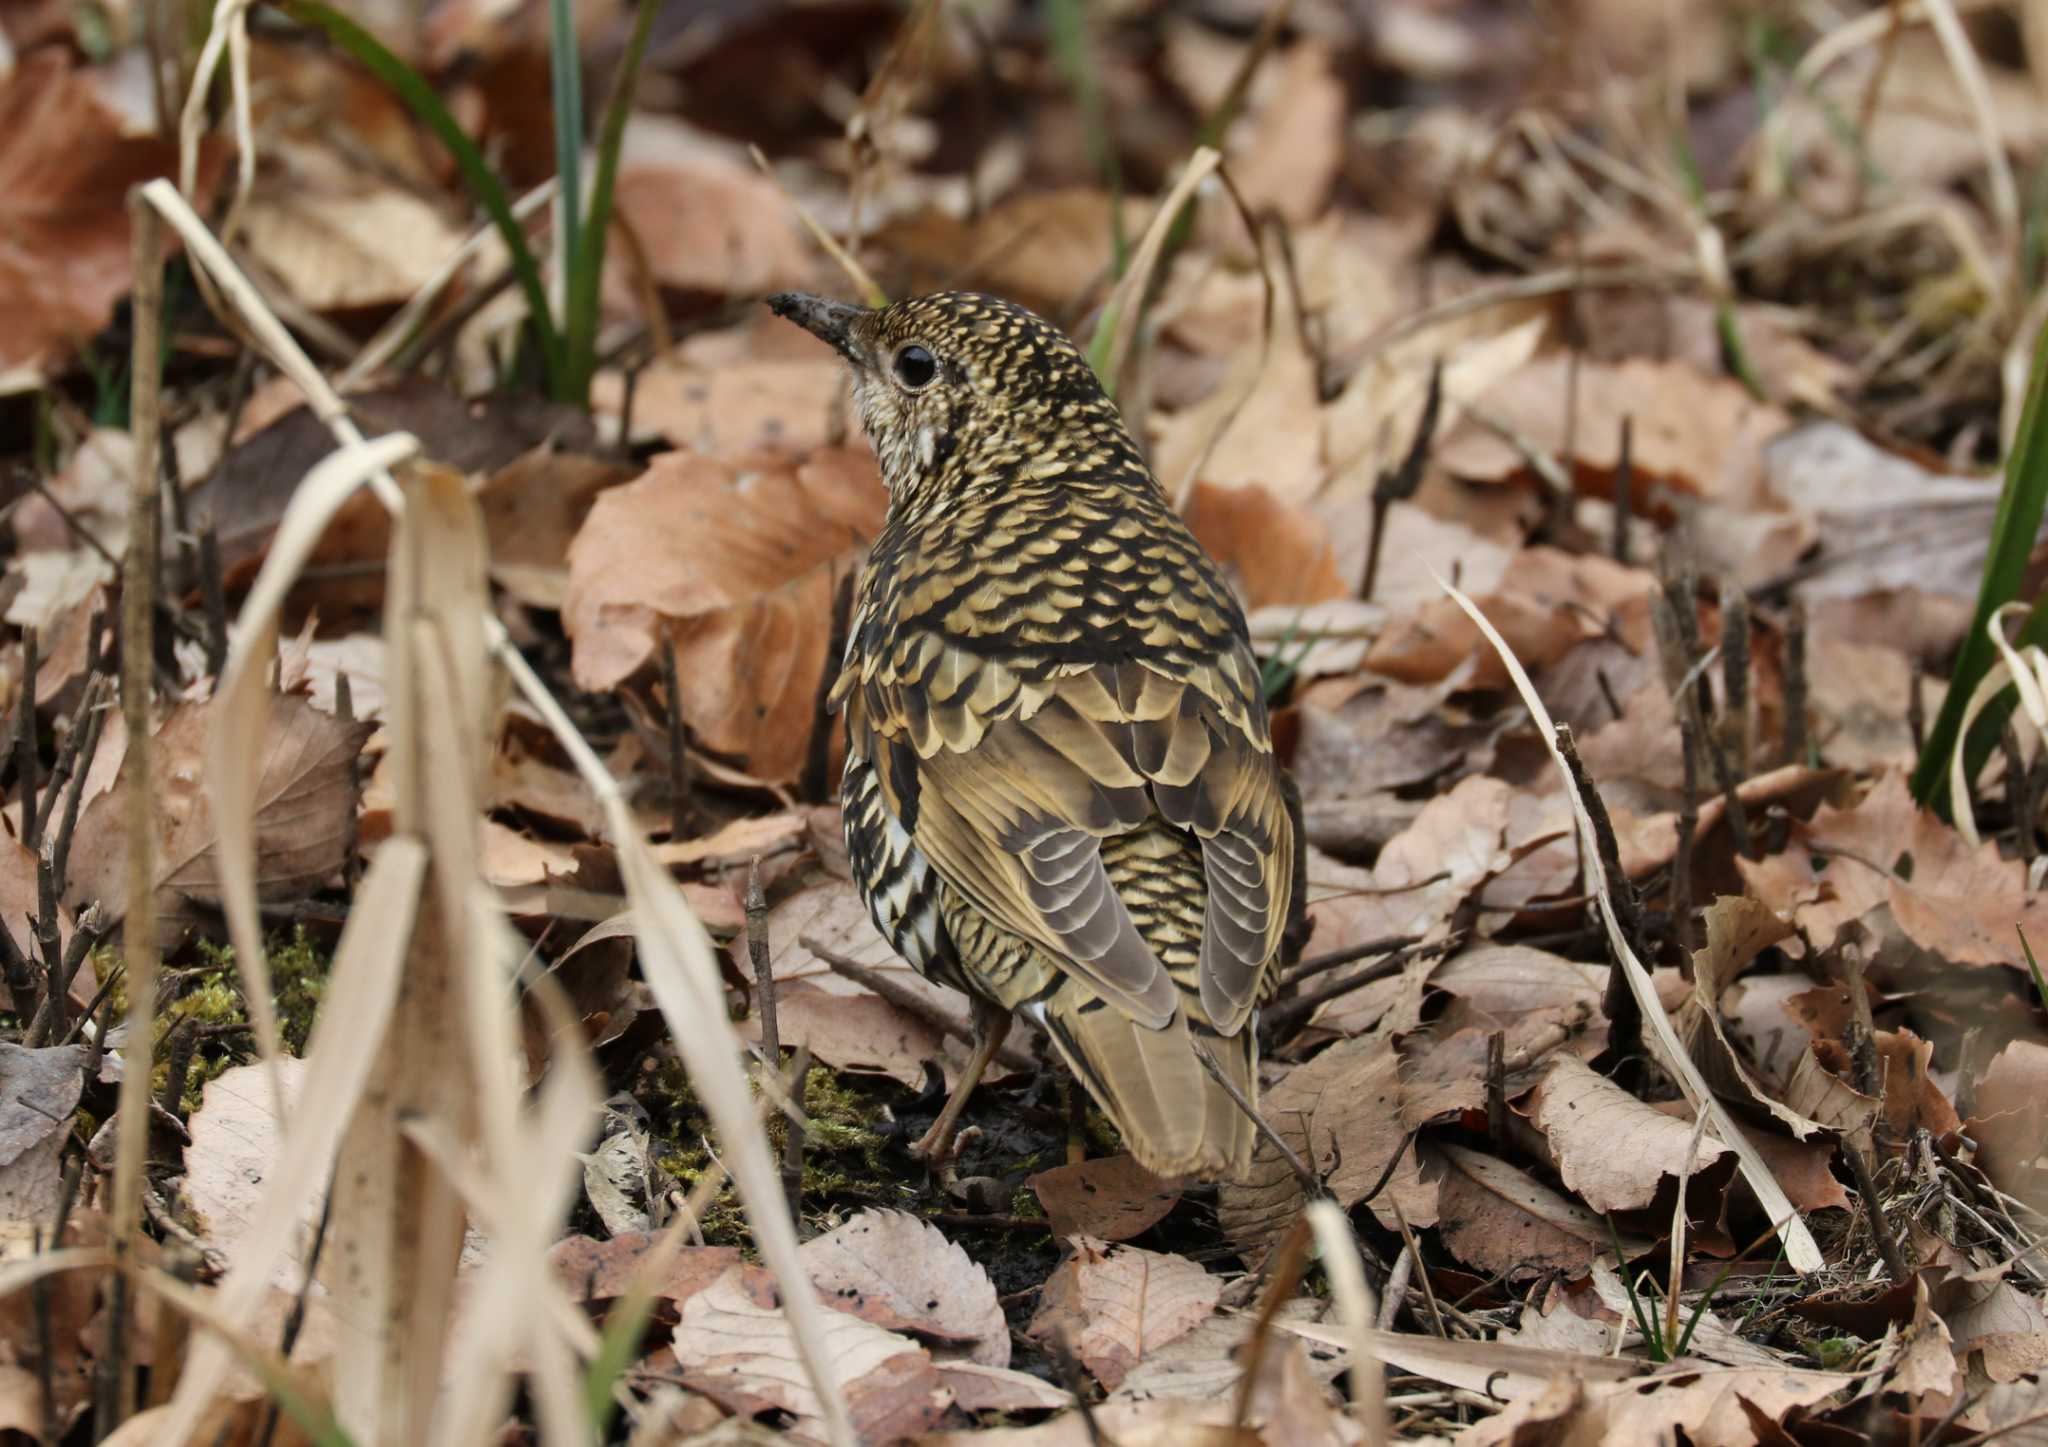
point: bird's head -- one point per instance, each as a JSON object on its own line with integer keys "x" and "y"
{"x": 956, "y": 387}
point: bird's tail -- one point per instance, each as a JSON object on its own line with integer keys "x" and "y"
{"x": 1175, "y": 1118}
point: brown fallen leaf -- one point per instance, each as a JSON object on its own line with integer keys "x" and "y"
{"x": 707, "y": 220}
{"x": 306, "y": 796}
{"x": 1738, "y": 929}
{"x": 234, "y": 1149}
{"x": 1499, "y": 1218}
{"x": 1612, "y": 1150}
{"x": 739, "y": 562}
{"x": 66, "y": 163}
{"x": 532, "y": 508}
{"x": 901, "y": 1274}
{"x": 1112, "y": 1198}
{"x": 1694, "y": 432}
{"x": 1341, "y": 1112}
{"x": 1115, "y": 1304}
{"x": 1965, "y": 905}
{"x": 605, "y": 1270}
{"x": 38, "y": 1091}
{"x": 1041, "y": 248}
{"x": 1274, "y": 552}
{"x": 2010, "y": 1123}
{"x": 737, "y": 1349}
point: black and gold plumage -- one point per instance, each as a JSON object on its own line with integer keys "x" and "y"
{"x": 1061, "y": 794}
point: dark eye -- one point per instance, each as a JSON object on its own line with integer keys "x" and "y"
{"x": 915, "y": 367}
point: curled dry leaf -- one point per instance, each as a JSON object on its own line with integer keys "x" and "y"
{"x": 1112, "y": 1198}
{"x": 901, "y": 1274}
{"x": 306, "y": 796}
{"x": 1115, "y": 1304}
{"x": 707, "y": 220}
{"x": 1738, "y": 929}
{"x": 739, "y": 561}
{"x": 735, "y": 1346}
{"x": 1612, "y": 1150}
{"x": 1712, "y": 1407}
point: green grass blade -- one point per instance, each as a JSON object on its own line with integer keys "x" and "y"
{"x": 624, "y": 1325}
{"x": 565, "y": 71}
{"x": 419, "y": 97}
{"x": 586, "y": 278}
{"x": 2013, "y": 530}
{"x": 1646, "y": 1323}
{"x": 1073, "y": 48}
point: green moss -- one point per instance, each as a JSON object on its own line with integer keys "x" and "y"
{"x": 211, "y": 995}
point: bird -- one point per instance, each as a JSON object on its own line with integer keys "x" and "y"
{"x": 1060, "y": 793}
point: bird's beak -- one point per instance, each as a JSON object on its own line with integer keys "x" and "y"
{"x": 829, "y": 321}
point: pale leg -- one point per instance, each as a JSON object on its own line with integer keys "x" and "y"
{"x": 991, "y": 1024}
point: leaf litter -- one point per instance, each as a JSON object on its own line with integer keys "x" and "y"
{"x": 1717, "y": 410}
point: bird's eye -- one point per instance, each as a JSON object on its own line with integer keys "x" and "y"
{"x": 915, "y": 367}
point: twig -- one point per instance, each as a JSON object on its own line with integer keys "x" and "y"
{"x": 1311, "y": 1187}
{"x": 1395, "y": 1296}
{"x": 678, "y": 744}
{"x": 795, "y": 1137}
{"x": 1735, "y": 675}
{"x": 26, "y": 761}
{"x": 1279, "y": 1016}
{"x": 1399, "y": 484}
{"x": 1688, "y": 826}
{"x": 1873, "y": 1210}
{"x": 1624, "y": 1017}
{"x": 1284, "y": 1268}
{"x": 1062, "y": 1353}
{"x": 1436, "y": 1316}
{"x": 764, "y": 971}
{"x": 1916, "y": 709}
{"x": 1497, "y": 1088}
{"x": 213, "y": 600}
{"x": 2019, "y": 795}
{"x": 70, "y": 519}
{"x": 906, "y": 999}
{"x": 1624, "y": 491}
{"x": 1331, "y": 959}
{"x": 1795, "y": 685}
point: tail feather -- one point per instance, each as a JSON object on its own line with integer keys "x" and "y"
{"x": 1174, "y": 1117}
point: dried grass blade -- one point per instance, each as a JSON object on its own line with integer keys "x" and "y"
{"x": 243, "y": 713}
{"x": 1800, "y": 1247}
{"x": 1356, "y": 1308}
{"x": 677, "y": 959}
{"x": 1118, "y": 325}
{"x": 369, "y": 960}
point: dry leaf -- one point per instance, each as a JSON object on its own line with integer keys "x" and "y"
{"x": 1965, "y": 905}
{"x": 707, "y": 220}
{"x": 1115, "y": 1304}
{"x": 739, "y": 562}
{"x": 306, "y": 795}
{"x": 1274, "y": 553}
{"x": 233, "y": 1152}
{"x": 1612, "y": 1150}
{"x": 38, "y": 1091}
{"x": 901, "y": 1274}
{"x": 736, "y": 1348}
{"x": 1112, "y": 1198}
{"x": 66, "y": 163}
{"x": 1498, "y": 1218}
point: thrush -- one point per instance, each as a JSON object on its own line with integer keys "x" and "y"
{"x": 1060, "y": 794}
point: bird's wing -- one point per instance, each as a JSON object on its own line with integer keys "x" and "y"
{"x": 1009, "y": 785}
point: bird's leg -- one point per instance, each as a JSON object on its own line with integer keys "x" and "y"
{"x": 991, "y": 1023}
